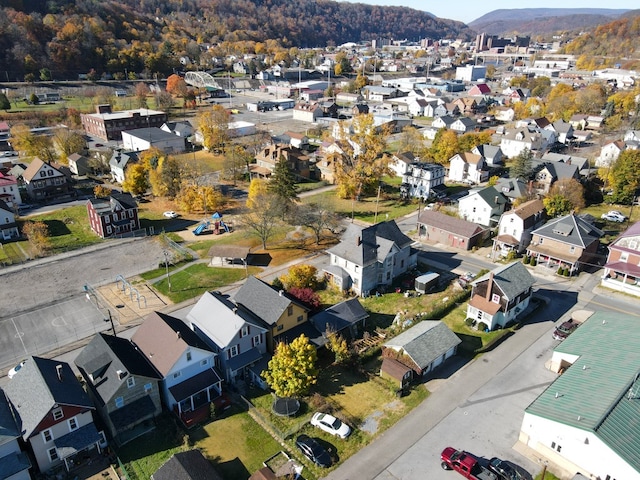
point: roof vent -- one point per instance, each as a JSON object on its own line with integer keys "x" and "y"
{"x": 235, "y": 310}
{"x": 281, "y": 293}
{"x": 59, "y": 371}
{"x": 121, "y": 374}
{"x": 179, "y": 334}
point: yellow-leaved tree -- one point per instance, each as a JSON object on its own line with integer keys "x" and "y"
{"x": 300, "y": 276}
{"x": 292, "y": 369}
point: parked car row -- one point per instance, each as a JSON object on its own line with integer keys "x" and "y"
{"x": 471, "y": 467}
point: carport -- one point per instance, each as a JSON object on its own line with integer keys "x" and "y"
{"x": 226, "y": 255}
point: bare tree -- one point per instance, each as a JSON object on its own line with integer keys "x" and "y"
{"x": 263, "y": 219}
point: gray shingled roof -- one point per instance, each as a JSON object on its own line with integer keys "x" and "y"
{"x": 570, "y": 229}
{"x": 263, "y": 300}
{"x": 189, "y": 465}
{"x": 340, "y": 316}
{"x": 558, "y": 170}
{"x": 425, "y": 341}
{"x": 104, "y": 356}
{"x": 8, "y": 428}
{"x": 366, "y": 245}
{"x": 512, "y": 279}
{"x": 37, "y": 388}
{"x": 450, "y": 224}
{"x": 220, "y": 319}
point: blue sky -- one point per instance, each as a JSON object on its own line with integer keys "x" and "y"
{"x": 468, "y": 10}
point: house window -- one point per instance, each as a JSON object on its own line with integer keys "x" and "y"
{"x": 624, "y": 256}
{"x": 300, "y": 317}
{"x": 131, "y": 382}
{"x": 119, "y": 402}
{"x": 495, "y": 298}
{"x": 58, "y": 414}
{"x": 233, "y": 351}
{"x": 356, "y": 268}
{"x": 73, "y": 424}
{"x": 290, "y": 310}
{"x": 147, "y": 387}
{"x": 204, "y": 362}
{"x": 245, "y": 331}
{"x": 177, "y": 374}
{"x": 541, "y": 241}
{"x": 256, "y": 340}
{"x": 188, "y": 356}
{"x": 47, "y": 436}
{"x": 43, "y": 173}
{"x": 53, "y": 454}
{"x": 473, "y": 209}
{"x": 280, "y": 327}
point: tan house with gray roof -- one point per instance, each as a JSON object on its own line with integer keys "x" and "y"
{"x": 436, "y": 227}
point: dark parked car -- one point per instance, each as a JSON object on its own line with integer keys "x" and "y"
{"x": 503, "y": 469}
{"x": 315, "y": 452}
{"x": 564, "y": 330}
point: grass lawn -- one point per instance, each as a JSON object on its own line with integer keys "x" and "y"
{"x": 68, "y": 229}
{"x": 208, "y": 161}
{"x": 235, "y": 443}
{"x": 388, "y": 207}
{"x": 193, "y": 281}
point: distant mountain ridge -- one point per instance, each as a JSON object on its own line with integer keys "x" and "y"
{"x": 527, "y": 21}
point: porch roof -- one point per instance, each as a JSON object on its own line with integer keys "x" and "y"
{"x": 76, "y": 441}
{"x": 623, "y": 267}
{"x": 244, "y": 359}
{"x": 132, "y": 413}
{"x": 484, "y": 305}
{"x": 550, "y": 252}
{"x": 508, "y": 240}
{"x": 195, "y": 384}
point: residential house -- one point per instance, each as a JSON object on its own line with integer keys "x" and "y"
{"x": 444, "y": 121}
{"x": 595, "y": 122}
{"x": 123, "y": 385}
{"x": 297, "y": 140}
{"x": 307, "y": 112}
{"x": 79, "y": 164}
{"x": 371, "y": 257}
{"x": 347, "y": 97}
{"x": 498, "y": 297}
{"x": 479, "y": 90}
{"x": 375, "y": 93}
{"x": 359, "y": 109}
{"x": 581, "y": 163}
{"x": 568, "y": 241}
{"x": 297, "y": 160}
{"x": 470, "y": 105}
{"x": 584, "y": 422}
{"x": 331, "y": 153}
{"x": 425, "y": 346}
{"x": 579, "y": 121}
{"x": 180, "y": 129}
{"x": 547, "y": 173}
{"x": 346, "y": 318}
{"x": 14, "y": 463}
{"x": 119, "y": 162}
{"x": 446, "y": 109}
{"x": 514, "y": 142}
{"x": 632, "y": 136}
{"x": 515, "y": 227}
{"x": 492, "y": 154}
{"x": 189, "y": 465}
{"x": 113, "y": 216}
{"x": 142, "y": 139}
{"x": 235, "y": 334}
{"x": 186, "y": 364}
{"x": 283, "y": 317}
{"x": 53, "y": 413}
{"x": 463, "y": 125}
{"x": 564, "y": 131}
{"x": 468, "y": 167}
{"x": 329, "y": 108}
{"x": 483, "y": 206}
{"x": 400, "y": 162}
{"x": 9, "y": 191}
{"x": 512, "y": 188}
{"x": 609, "y": 153}
{"x": 622, "y": 270}
{"x": 437, "y": 227}
{"x": 45, "y": 181}
{"x": 421, "y": 180}
{"x": 504, "y": 114}
{"x": 8, "y": 225}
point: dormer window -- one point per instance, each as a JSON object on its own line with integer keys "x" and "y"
{"x": 58, "y": 414}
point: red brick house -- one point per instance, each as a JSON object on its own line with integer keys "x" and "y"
{"x": 622, "y": 270}
{"x": 112, "y": 216}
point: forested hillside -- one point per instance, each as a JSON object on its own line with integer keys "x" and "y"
{"x": 617, "y": 42}
{"x": 71, "y": 37}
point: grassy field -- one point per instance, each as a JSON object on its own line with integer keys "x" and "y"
{"x": 198, "y": 278}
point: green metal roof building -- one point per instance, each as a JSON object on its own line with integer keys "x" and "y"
{"x": 588, "y": 420}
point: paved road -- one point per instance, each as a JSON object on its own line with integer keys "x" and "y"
{"x": 43, "y": 305}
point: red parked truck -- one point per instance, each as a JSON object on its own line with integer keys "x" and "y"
{"x": 465, "y": 464}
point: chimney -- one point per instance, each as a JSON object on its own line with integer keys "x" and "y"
{"x": 235, "y": 309}
{"x": 489, "y": 285}
{"x": 59, "y": 371}
{"x": 359, "y": 241}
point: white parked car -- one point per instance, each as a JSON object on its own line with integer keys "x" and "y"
{"x": 330, "y": 424}
{"x": 613, "y": 216}
{"x": 16, "y": 369}
{"x": 170, "y": 214}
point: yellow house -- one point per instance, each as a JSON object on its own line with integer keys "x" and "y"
{"x": 284, "y": 317}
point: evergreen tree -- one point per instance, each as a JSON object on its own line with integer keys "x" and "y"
{"x": 283, "y": 185}
{"x": 5, "y": 104}
{"x": 522, "y": 165}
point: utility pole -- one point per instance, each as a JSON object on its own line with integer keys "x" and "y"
{"x": 166, "y": 266}
{"x": 110, "y": 319}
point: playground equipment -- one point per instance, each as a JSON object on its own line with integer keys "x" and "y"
{"x": 200, "y": 229}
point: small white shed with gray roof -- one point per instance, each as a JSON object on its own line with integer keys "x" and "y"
{"x": 428, "y": 344}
